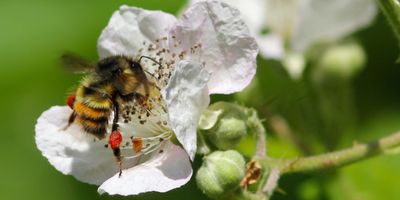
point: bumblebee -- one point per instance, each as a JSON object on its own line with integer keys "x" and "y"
{"x": 109, "y": 84}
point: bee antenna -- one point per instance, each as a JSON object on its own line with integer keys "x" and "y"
{"x": 150, "y": 58}
{"x": 150, "y": 74}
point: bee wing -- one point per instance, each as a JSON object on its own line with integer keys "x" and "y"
{"x": 76, "y": 64}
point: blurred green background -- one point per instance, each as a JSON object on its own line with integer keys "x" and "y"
{"x": 33, "y": 35}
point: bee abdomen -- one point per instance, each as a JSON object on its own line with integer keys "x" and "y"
{"x": 91, "y": 112}
{"x": 93, "y": 120}
{"x": 96, "y": 127}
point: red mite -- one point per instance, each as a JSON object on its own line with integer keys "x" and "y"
{"x": 71, "y": 101}
{"x": 115, "y": 139}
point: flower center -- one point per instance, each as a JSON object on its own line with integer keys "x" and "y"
{"x": 144, "y": 120}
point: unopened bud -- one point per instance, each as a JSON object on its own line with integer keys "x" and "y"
{"x": 226, "y": 126}
{"x": 228, "y": 133}
{"x": 220, "y": 173}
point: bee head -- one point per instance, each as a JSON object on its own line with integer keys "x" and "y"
{"x": 124, "y": 73}
{"x": 110, "y": 67}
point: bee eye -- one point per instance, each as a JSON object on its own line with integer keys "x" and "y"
{"x": 135, "y": 65}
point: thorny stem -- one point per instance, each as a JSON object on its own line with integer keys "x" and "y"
{"x": 256, "y": 125}
{"x": 261, "y": 141}
{"x": 272, "y": 182}
{"x": 334, "y": 159}
{"x": 320, "y": 162}
{"x": 391, "y": 8}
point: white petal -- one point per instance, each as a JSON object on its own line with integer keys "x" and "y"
{"x": 329, "y": 20}
{"x": 271, "y": 46}
{"x": 129, "y": 27}
{"x": 72, "y": 151}
{"x": 228, "y": 50}
{"x": 281, "y": 16}
{"x": 186, "y": 96}
{"x": 171, "y": 169}
{"x": 252, "y": 12}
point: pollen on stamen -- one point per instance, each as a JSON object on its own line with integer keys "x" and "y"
{"x": 137, "y": 144}
{"x": 145, "y": 109}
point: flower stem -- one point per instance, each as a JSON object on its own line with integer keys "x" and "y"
{"x": 391, "y": 8}
{"x": 256, "y": 125}
{"x": 334, "y": 159}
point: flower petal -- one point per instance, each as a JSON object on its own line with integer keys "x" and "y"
{"x": 253, "y": 14}
{"x": 71, "y": 151}
{"x": 227, "y": 49}
{"x": 129, "y": 27}
{"x": 186, "y": 96}
{"x": 326, "y": 21}
{"x": 170, "y": 169}
{"x": 271, "y": 46}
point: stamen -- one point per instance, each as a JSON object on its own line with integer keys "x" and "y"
{"x": 145, "y": 145}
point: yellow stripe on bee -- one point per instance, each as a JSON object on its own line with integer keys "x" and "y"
{"x": 104, "y": 104}
{"x": 82, "y": 109}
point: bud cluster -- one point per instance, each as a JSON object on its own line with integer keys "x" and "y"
{"x": 221, "y": 128}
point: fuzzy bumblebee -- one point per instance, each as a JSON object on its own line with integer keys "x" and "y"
{"x": 109, "y": 85}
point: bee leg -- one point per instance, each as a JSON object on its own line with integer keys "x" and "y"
{"x": 116, "y": 137}
{"x": 117, "y": 154}
{"x": 71, "y": 120}
{"x": 115, "y": 141}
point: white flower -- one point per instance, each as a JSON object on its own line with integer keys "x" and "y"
{"x": 207, "y": 51}
{"x": 301, "y": 23}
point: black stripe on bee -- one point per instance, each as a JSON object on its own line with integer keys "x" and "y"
{"x": 89, "y": 91}
{"x": 100, "y": 120}
{"x": 99, "y": 132}
{"x": 99, "y": 84}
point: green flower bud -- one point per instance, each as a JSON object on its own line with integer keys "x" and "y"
{"x": 220, "y": 173}
{"x": 224, "y": 124}
{"x": 228, "y": 133}
{"x": 343, "y": 60}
